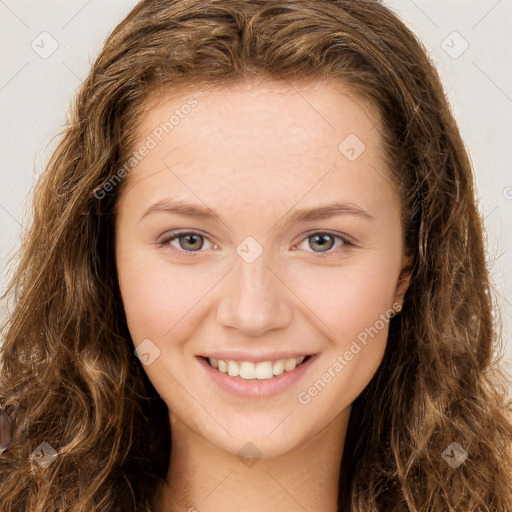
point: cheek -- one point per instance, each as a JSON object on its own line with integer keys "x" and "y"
{"x": 158, "y": 295}
{"x": 147, "y": 292}
{"x": 370, "y": 299}
{"x": 349, "y": 298}
{"x": 356, "y": 306}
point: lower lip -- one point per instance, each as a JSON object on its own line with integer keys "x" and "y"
{"x": 256, "y": 388}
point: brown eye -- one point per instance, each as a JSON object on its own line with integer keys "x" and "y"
{"x": 187, "y": 241}
{"x": 322, "y": 242}
{"x": 190, "y": 242}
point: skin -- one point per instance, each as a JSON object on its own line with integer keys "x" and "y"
{"x": 254, "y": 152}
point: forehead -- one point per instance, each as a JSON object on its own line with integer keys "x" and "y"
{"x": 257, "y": 136}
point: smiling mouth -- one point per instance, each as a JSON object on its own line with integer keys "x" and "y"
{"x": 262, "y": 370}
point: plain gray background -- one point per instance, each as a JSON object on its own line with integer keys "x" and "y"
{"x": 47, "y": 48}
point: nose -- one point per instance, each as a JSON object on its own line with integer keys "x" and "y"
{"x": 255, "y": 299}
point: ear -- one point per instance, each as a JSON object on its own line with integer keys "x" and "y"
{"x": 404, "y": 279}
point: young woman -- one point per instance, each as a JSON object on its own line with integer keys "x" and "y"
{"x": 179, "y": 341}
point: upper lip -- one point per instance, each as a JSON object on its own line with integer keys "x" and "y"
{"x": 235, "y": 355}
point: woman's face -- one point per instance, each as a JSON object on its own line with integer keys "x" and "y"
{"x": 241, "y": 273}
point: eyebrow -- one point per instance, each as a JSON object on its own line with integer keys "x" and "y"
{"x": 306, "y": 214}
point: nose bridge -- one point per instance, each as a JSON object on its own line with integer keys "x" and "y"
{"x": 255, "y": 299}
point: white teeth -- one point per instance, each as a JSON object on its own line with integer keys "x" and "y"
{"x": 247, "y": 370}
{"x": 290, "y": 364}
{"x": 278, "y": 367}
{"x": 233, "y": 369}
{"x": 262, "y": 370}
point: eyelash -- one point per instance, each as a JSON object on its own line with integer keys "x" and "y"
{"x": 166, "y": 242}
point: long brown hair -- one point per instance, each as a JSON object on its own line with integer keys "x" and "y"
{"x": 69, "y": 376}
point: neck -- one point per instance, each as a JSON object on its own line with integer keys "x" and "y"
{"x": 204, "y": 478}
